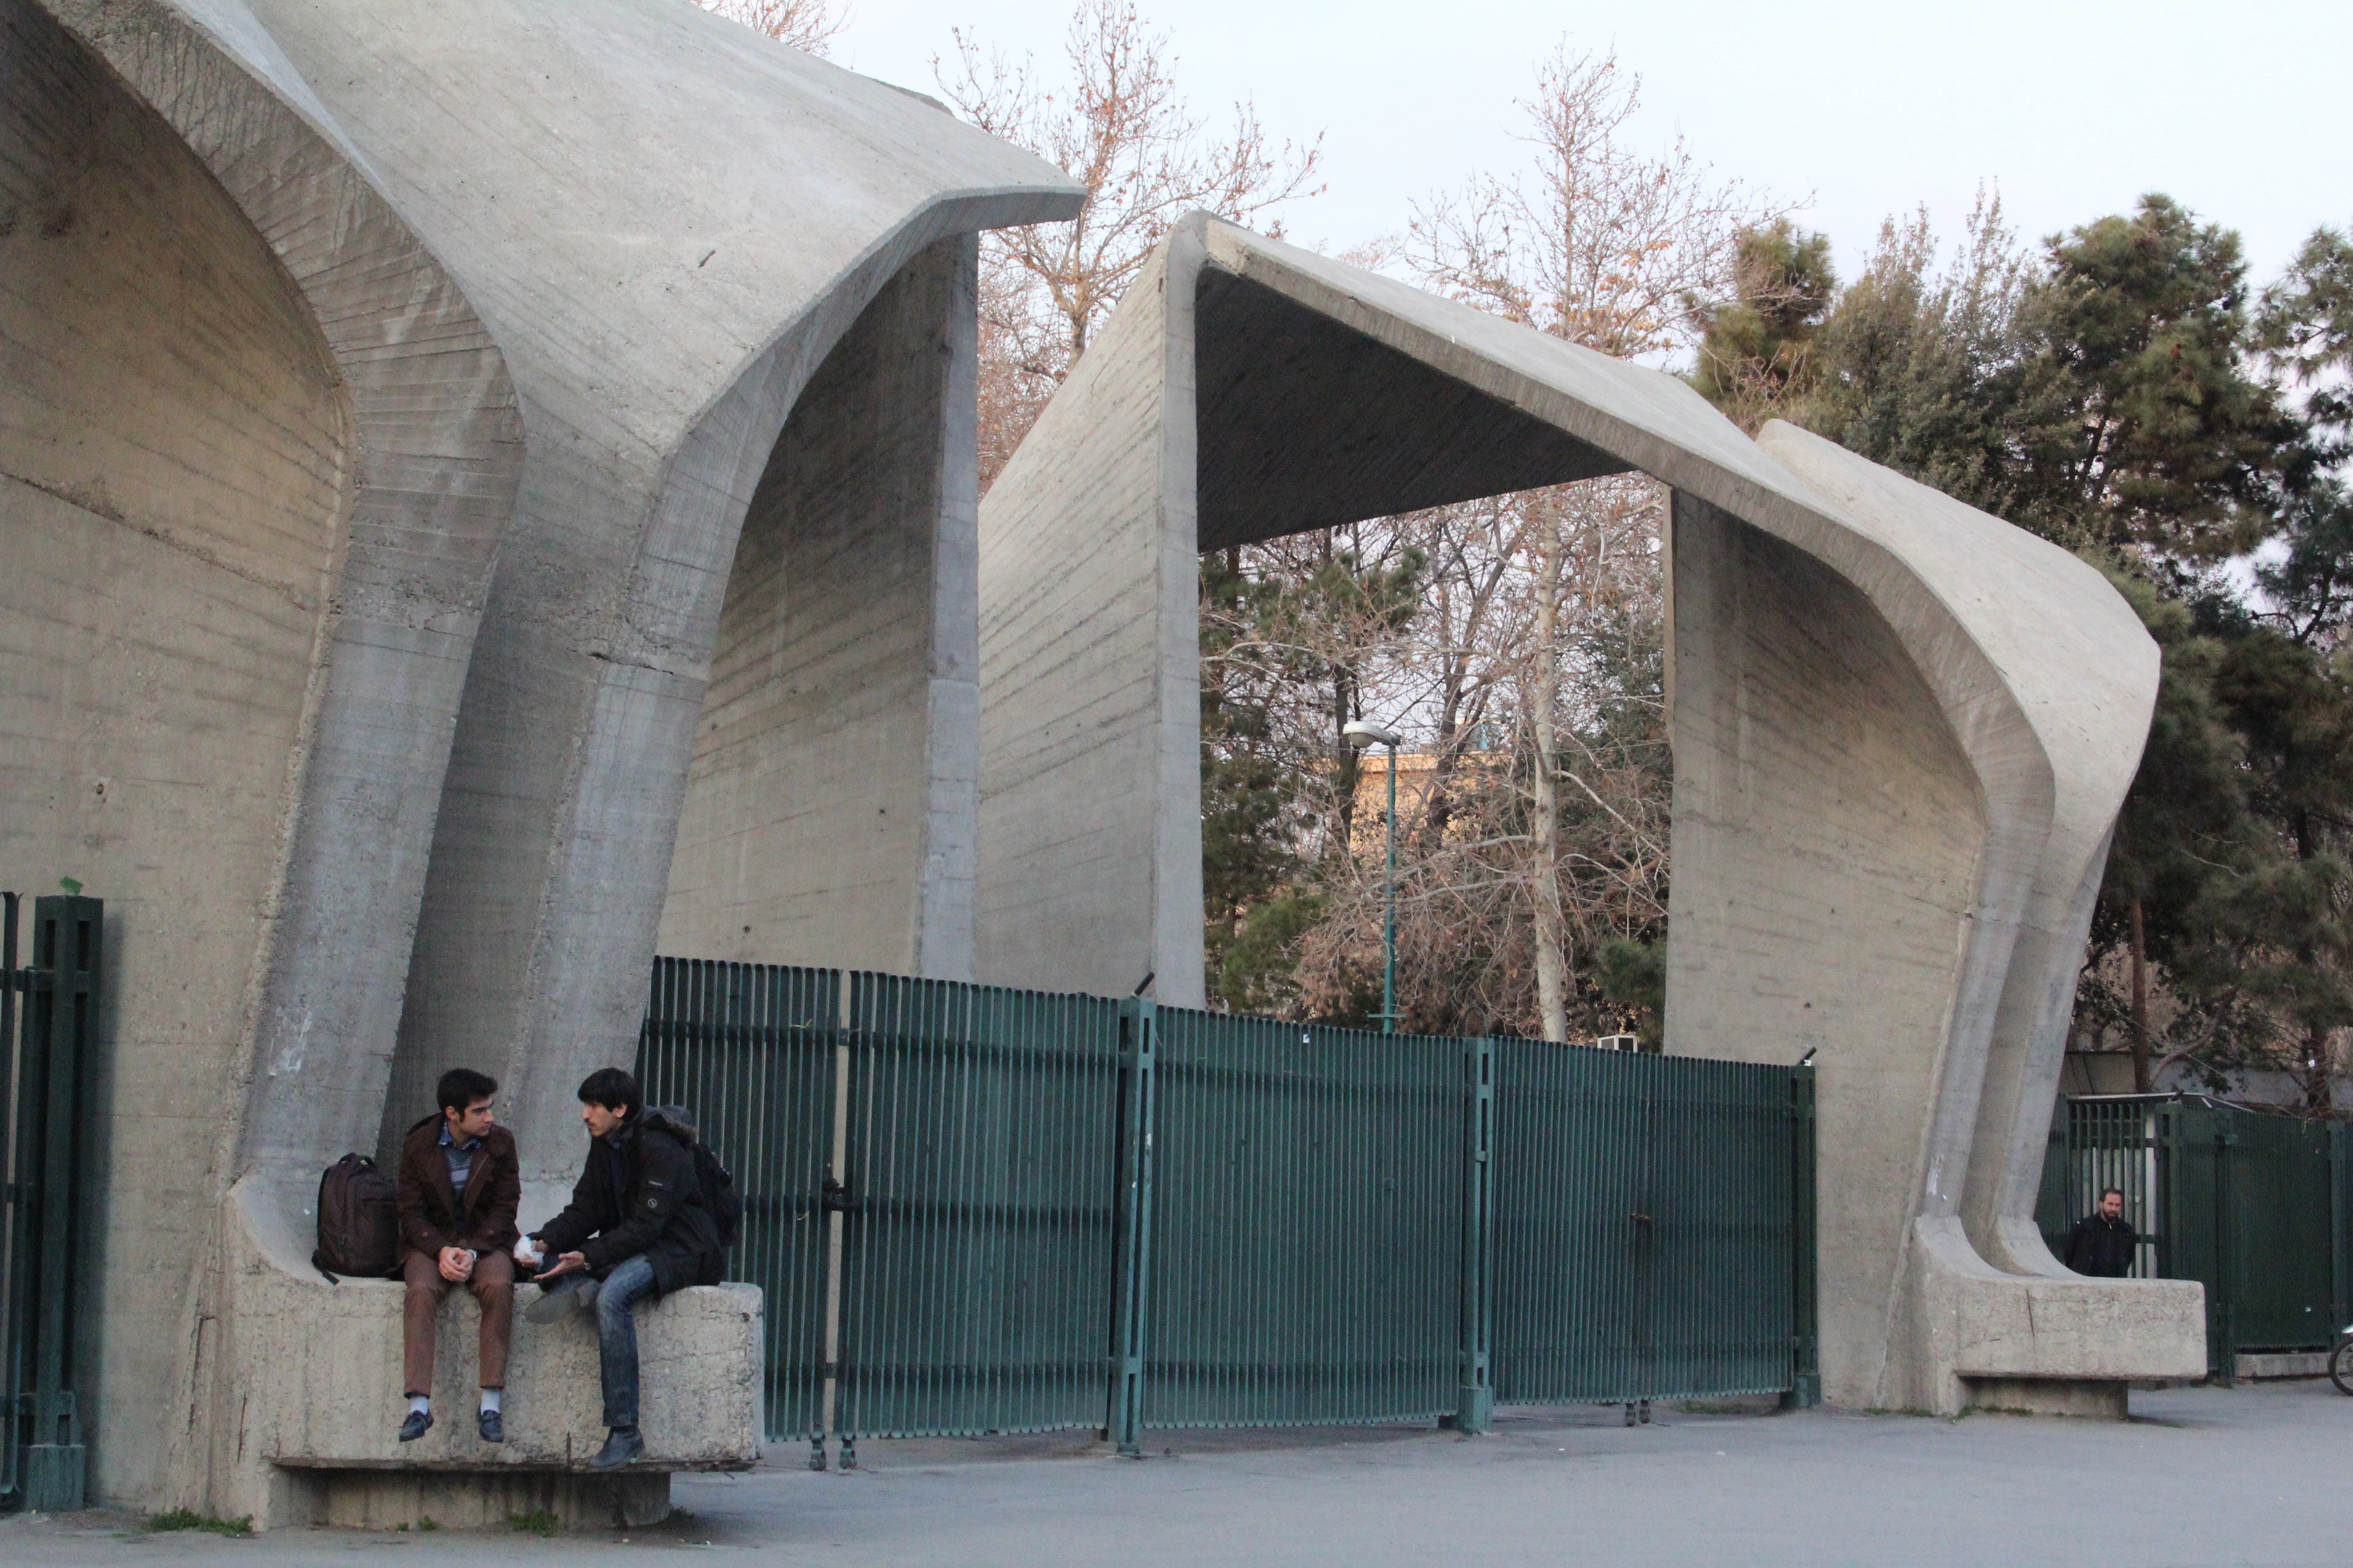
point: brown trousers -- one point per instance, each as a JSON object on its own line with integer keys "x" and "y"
{"x": 493, "y": 1287}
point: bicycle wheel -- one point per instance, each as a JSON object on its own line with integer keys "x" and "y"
{"x": 2340, "y": 1365}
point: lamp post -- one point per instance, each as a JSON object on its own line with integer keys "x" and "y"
{"x": 1364, "y": 736}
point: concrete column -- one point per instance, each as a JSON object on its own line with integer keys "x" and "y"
{"x": 1089, "y": 644}
{"x": 829, "y": 805}
{"x": 1828, "y": 838}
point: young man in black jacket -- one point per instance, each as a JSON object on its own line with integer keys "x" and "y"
{"x": 638, "y": 1225}
{"x": 2104, "y": 1244}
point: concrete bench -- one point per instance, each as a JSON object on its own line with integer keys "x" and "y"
{"x": 316, "y": 1373}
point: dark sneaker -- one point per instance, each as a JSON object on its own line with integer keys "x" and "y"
{"x": 623, "y": 1445}
{"x": 573, "y": 1292}
{"x": 419, "y": 1422}
{"x": 489, "y": 1424}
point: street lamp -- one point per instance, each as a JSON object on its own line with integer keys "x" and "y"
{"x": 1364, "y": 736}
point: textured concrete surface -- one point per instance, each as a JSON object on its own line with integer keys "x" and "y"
{"x": 1902, "y": 732}
{"x": 828, "y": 815}
{"x": 386, "y": 387}
{"x": 2203, "y": 1477}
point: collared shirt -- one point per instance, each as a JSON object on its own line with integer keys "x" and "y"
{"x": 462, "y": 1160}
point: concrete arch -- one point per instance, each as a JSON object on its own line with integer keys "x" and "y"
{"x": 236, "y": 193}
{"x": 661, "y": 299}
{"x": 567, "y": 267}
{"x": 1247, "y": 389}
{"x": 830, "y": 806}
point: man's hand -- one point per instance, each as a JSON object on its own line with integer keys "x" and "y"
{"x": 524, "y": 1252}
{"x": 565, "y": 1263}
{"x": 456, "y": 1265}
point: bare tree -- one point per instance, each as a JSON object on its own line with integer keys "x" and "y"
{"x": 1533, "y": 665}
{"x": 1596, "y": 241}
{"x": 1115, "y": 121}
{"x": 808, "y": 24}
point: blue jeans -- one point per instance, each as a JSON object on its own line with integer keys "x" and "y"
{"x": 631, "y": 1281}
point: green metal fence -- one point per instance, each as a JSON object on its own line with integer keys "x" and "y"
{"x": 49, "y": 1064}
{"x": 1306, "y": 1184}
{"x": 750, "y": 1049}
{"x": 983, "y": 1147}
{"x": 986, "y": 1210}
{"x": 2256, "y": 1206}
{"x": 1647, "y": 1221}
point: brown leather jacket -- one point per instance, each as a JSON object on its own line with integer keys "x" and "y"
{"x": 430, "y": 1216}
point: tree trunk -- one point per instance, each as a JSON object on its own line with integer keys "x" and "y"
{"x": 2139, "y": 1002}
{"x": 1552, "y": 988}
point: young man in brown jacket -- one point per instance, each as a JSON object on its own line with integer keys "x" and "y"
{"x": 460, "y": 1185}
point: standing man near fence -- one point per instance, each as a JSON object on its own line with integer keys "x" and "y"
{"x": 639, "y": 1224}
{"x": 2104, "y": 1242}
{"x": 459, "y": 1183}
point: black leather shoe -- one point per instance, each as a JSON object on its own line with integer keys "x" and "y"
{"x": 621, "y": 1445}
{"x": 419, "y": 1422}
{"x": 492, "y": 1429}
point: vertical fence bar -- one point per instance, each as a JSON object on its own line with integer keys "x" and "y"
{"x": 835, "y": 1206}
{"x": 1805, "y": 1299}
{"x": 1132, "y": 1247}
{"x": 1474, "y": 1400}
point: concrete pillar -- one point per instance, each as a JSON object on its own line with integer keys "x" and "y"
{"x": 1827, "y": 838}
{"x": 1090, "y": 875}
{"x": 830, "y": 805}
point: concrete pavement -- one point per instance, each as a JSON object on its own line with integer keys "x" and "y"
{"x": 2202, "y": 1476}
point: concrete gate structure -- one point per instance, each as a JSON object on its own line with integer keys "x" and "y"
{"x": 1902, "y": 730}
{"x": 384, "y": 387}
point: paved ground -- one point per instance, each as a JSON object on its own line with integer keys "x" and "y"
{"x": 2201, "y": 1477}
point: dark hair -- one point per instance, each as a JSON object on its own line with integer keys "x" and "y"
{"x": 460, "y": 1086}
{"x": 612, "y": 1089}
{"x": 2106, "y": 1190}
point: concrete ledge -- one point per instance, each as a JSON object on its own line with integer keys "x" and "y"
{"x": 2101, "y": 1398}
{"x": 2053, "y": 1343}
{"x": 318, "y": 1368}
{"x": 698, "y": 1352}
{"x": 387, "y": 1499}
{"x": 2252, "y": 1366}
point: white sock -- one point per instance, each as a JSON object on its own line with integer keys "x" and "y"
{"x": 490, "y": 1399}
{"x": 418, "y": 1403}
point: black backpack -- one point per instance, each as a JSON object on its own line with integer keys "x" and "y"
{"x": 719, "y": 1194}
{"x": 359, "y": 1221}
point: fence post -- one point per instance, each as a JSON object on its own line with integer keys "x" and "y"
{"x": 1132, "y": 1245}
{"x": 1475, "y": 1397}
{"x": 2222, "y": 1325}
{"x": 2340, "y": 1298}
{"x": 1805, "y": 1336}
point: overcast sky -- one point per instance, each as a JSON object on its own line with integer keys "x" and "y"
{"x": 2072, "y": 106}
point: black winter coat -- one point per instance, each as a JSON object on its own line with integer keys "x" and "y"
{"x": 2103, "y": 1249}
{"x": 637, "y": 1194}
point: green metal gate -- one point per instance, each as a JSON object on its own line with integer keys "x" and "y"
{"x": 48, "y": 1062}
{"x": 1306, "y": 1184}
{"x": 2256, "y": 1206}
{"x": 1649, "y": 1211}
{"x": 983, "y": 1210}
